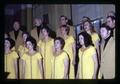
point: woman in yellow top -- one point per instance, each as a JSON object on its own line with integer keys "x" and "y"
{"x": 69, "y": 48}
{"x": 32, "y": 61}
{"x": 46, "y": 49}
{"x": 21, "y": 50}
{"x": 60, "y": 60}
{"x": 88, "y": 65}
{"x": 10, "y": 59}
{"x": 88, "y": 27}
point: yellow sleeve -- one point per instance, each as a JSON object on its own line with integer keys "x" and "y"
{"x": 72, "y": 39}
{"x": 39, "y": 56}
{"x": 15, "y": 55}
{"x": 39, "y": 43}
{"x": 65, "y": 55}
{"x": 92, "y": 51}
{"x": 23, "y": 57}
{"x": 96, "y": 37}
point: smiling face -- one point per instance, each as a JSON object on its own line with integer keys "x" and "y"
{"x": 63, "y": 21}
{"x": 25, "y": 37}
{"x": 57, "y": 44}
{"x": 110, "y": 22}
{"x": 37, "y": 22}
{"x": 7, "y": 44}
{"x": 86, "y": 26}
{"x": 29, "y": 45}
{"x": 104, "y": 33}
{"x": 81, "y": 39}
{"x": 44, "y": 33}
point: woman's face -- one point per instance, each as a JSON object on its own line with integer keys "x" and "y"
{"x": 24, "y": 37}
{"x": 103, "y": 32}
{"x": 7, "y": 44}
{"x": 57, "y": 44}
{"x": 44, "y": 32}
{"x": 81, "y": 40}
{"x": 86, "y": 26}
{"x": 62, "y": 21}
{"x": 29, "y": 45}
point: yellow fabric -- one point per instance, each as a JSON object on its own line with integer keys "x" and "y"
{"x": 9, "y": 64}
{"x": 86, "y": 63}
{"x": 34, "y": 34}
{"x": 21, "y": 49}
{"x": 19, "y": 39}
{"x": 47, "y": 52}
{"x": 68, "y": 48}
{"x": 58, "y": 65}
{"x": 95, "y": 38}
{"x": 32, "y": 70}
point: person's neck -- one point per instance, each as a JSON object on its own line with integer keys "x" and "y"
{"x": 58, "y": 51}
{"x": 7, "y": 50}
{"x": 31, "y": 51}
{"x": 65, "y": 36}
{"x": 89, "y": 32}
{"x": 46, "y": 38}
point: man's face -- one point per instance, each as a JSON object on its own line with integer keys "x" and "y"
{"x": 110, "y": 22}
{"x": 16, "y": 25}
{"x": 63, "y": 21}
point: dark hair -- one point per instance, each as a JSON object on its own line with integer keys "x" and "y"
{"x": 91, "y": 26}
{"x": 70, "y": 22}
{"x": 25, "y": 33}
{"x": 86, "y": 17}
{"x": 112, "y": 17}
{"x": 67, "y": 28}
{"x": 33, "y": 41}
{"x": 64, "y": 17}
{"x": 7, "y": 34}
{"x": 87, "y": 38}
{"x": 46, "y": 28}
{"x": 12, "y": 42}
{"x": 61, "y": 41}
{"x": 105, "y": 26}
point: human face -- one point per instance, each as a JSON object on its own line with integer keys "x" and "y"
{"x": 16, "y": 26}
{"x": 63, "y": 21}
{"x": 24, "y": 37}
{"x": 7, "y": 44}
{"x": 37, "y": 22}
{"x": 81, "y": 40}
{"x": 44, "y": 32}
{"x": 110, "y": 22}
{"x": 86, "y": 26}
{"x": 103, "y": 32}
{"x": 57, "y": 44}
{"x": 5, "y": 35}
{"x": 29, "y": 45}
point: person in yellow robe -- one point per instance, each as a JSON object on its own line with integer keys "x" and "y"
{"x": 69, "y": 48}
{"x": 88, "y": 27}
{"x": 107, "y": 65}
{"x": 16, "y": 34}
{"x": 10, "y": 59}
{"x": 46, "y": 49}
{"x": 88, "y": 65}
{"x": 60, "y": 60}
{"x": 32, "y": 61}
{"x": 21, "y": 50}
